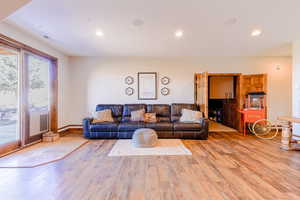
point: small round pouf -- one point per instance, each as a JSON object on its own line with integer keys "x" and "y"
{"x": 144, "y": 137}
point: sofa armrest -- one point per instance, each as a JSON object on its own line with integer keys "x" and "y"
{"x": 86, "y": 122}
{"x": 205, "y": 122}
{"x": 205, "y": 125}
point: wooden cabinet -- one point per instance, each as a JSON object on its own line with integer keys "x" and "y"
{"x": 230, "y": 113}
{"x": 221, "y": 87}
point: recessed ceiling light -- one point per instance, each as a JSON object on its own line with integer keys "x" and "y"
{"x": 231, "y": 21}
{"x": 256, "y": 32}
{"x": 179, "y": 33}
{"x": 99, "y": 33}
{"x": 138, "y": 22}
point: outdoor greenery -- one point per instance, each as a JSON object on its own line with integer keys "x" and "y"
{"x": 9, "y": 74}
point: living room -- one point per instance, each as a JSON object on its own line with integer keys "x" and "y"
{"x": 86, "y": 87}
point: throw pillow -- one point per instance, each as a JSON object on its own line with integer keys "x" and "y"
{"x": 103, "y": 116}
{"x": 150, "y": 117}
{"x": 138, "y": 115}
{"x": 190, "y": 116}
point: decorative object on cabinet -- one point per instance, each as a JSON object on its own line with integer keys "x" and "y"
{"x": 129, "y": 91}
{"x": 165, "y": 91}
{"x": 255, "y": 100}
{"x": 165, "y": 80}
{"x": 129, "y": 80}
{"x": 147, "y": 85}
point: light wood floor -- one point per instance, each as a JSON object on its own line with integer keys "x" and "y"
{"x": 227, "y": 166}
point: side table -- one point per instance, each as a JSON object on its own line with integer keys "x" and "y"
{"x": 287, "y": 143}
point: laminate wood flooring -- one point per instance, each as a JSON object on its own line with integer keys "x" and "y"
{"x": 224, "y": 167}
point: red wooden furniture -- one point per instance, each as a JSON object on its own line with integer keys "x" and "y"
{"x": 255, "y": 109}
{"x": 251, "y": 116}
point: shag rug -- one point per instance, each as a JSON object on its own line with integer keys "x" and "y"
{"x": 165, "y": 147}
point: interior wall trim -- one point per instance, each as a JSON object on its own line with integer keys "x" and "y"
{"x": 19, "y": 45}
{"x": 6, "y": 153}
{"x": 69, "y": 126}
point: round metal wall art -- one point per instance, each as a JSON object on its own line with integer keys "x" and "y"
{"x": 165, "y": 91}
{"x": 129, "y": 80}
{"x": 165, "y": 80}
{"x": 129, "y": 91}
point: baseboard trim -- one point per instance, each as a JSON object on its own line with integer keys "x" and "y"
{"x": 68, "y": 129}
{"x": 68, "y": 126}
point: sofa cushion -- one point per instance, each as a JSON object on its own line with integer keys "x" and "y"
{"x": 163, "y": 119}
{"x": 160, "y": 126}
{"x": 117, "y": 110}
{"x": 179, "y": 126}
{"x": 163, "y": 111}
{"x": 130, "y": 126}
{"x": 128, "y": 108}
{"x": 104, "y": 127}
{"x": 176, "y": 110}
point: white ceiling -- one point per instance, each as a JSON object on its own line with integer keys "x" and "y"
{"x": 211, "y": 27}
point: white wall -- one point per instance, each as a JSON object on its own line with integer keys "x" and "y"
{"x": 296, "y": 84}
{"x": 97, "y": 80}
{"x": 63, "y": 67}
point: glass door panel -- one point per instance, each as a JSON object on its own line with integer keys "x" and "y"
{"x": 9, "y": 96}
{"x": 38, "y": 96}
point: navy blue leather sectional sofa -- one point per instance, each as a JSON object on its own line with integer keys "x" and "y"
{"x": 167, "y": 125}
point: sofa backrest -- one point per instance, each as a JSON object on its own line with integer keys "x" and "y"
{"x": 117, "y": 110}
{"x": 177, "y": 107}
{"x": 163, "y": 111}
{"x": 128, "y": 108}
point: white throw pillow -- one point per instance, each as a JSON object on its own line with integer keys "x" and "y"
{"x": 103, "y": 116}
{"x": 190, "y": 116}
{"x": 138, "y": 115}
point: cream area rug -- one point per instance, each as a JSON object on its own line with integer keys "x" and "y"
{"x": 218, "y": 127}
{"x": 165, "y": 147}
{"x": 43, "y": 153}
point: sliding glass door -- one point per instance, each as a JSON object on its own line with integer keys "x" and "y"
{"x": 38, "y": 93}
{"x": 9, "y": 96}
{"x": 32, "y": 98}
{"x": 28, "y": 94}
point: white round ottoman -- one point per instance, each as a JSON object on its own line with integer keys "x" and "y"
{"x": 144, "y": 137}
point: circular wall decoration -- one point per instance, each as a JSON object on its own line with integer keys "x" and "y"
{"x": 129, "y": 80}
{"x": 129, "y": 91}
{"x": 165, "y": 80}
{"x": 165, "y": 91}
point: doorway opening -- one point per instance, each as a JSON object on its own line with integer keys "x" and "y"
{"x": 221, "y": 97}
{"x": 223, "y": 102}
